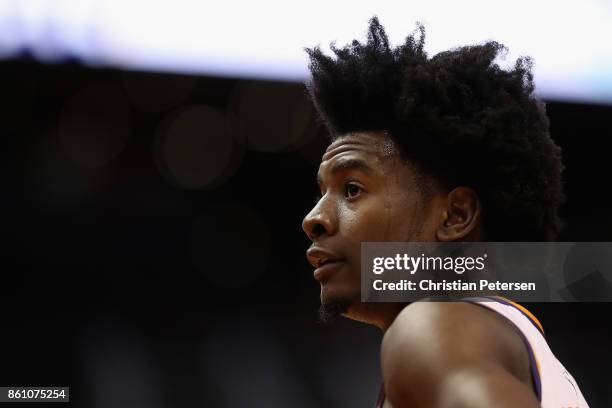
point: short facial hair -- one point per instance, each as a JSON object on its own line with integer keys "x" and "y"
{"x": 329, "y": 312}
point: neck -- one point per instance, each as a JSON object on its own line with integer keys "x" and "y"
{"x": 381, "y": 315}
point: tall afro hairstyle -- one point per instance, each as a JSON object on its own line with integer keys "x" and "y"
{"x": 457, "y": 116}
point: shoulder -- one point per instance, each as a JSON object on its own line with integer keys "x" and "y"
{"x": 429, "y": 341}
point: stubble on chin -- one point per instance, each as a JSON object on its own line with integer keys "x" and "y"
{"x": 329, "y": 312}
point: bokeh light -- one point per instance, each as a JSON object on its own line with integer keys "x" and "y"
{"x": 94, "y": 125}
{"x": 271, "y": 117}
{"x": 270, "y": 371}
{"x": 193, "y": 149}
{"x": 118, "y": 368}
{"x": 152, "y": 92}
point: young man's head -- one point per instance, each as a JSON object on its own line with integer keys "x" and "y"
{"x": 423, "y": 149}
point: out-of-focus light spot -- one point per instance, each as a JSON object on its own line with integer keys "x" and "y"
{"x": 267, "y": 378}
{"x": 117, "y": 368}
{"x": 193, "y": 148}
{"x": 230, "y": 245}
{"x": 271, "y": 117}
{"x": 95, "y": 125}
{"x": 157, "y": 92}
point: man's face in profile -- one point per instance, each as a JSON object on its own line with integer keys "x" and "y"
{"x": 368, "y": 193}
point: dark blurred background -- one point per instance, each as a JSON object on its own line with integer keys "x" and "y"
{"x": 153, "y": 256}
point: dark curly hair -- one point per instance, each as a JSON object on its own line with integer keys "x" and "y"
{"x": 458, "y": 116}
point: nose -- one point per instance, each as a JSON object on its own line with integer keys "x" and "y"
{"x": 320, "y": 220}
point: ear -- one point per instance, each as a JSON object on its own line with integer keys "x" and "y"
{"x": 462, "y": 216}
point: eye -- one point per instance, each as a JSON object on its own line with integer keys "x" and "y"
{"x": 352, "y": 190}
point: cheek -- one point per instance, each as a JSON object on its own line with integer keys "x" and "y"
{"x": 364, "y": 222}
{"x": 377, "y": 219}
{"x": 360, "y": 223}
{"x": 394, "y": 217}
{"x": 404, "y": 222}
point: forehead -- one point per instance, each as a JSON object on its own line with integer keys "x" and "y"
{"x": 371, "y": 153}
{"x": 374, "y": 145}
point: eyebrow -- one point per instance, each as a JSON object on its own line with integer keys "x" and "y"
{"x": 347, "y": 164}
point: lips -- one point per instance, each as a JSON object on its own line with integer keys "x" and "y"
{"x": 323, "y": 272}
{"x": 325, "y": 262}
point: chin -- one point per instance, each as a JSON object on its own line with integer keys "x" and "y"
{"x": 334, "y": 293}
{"x": 329, "y": 311}
{"x": 336, "y": 302}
